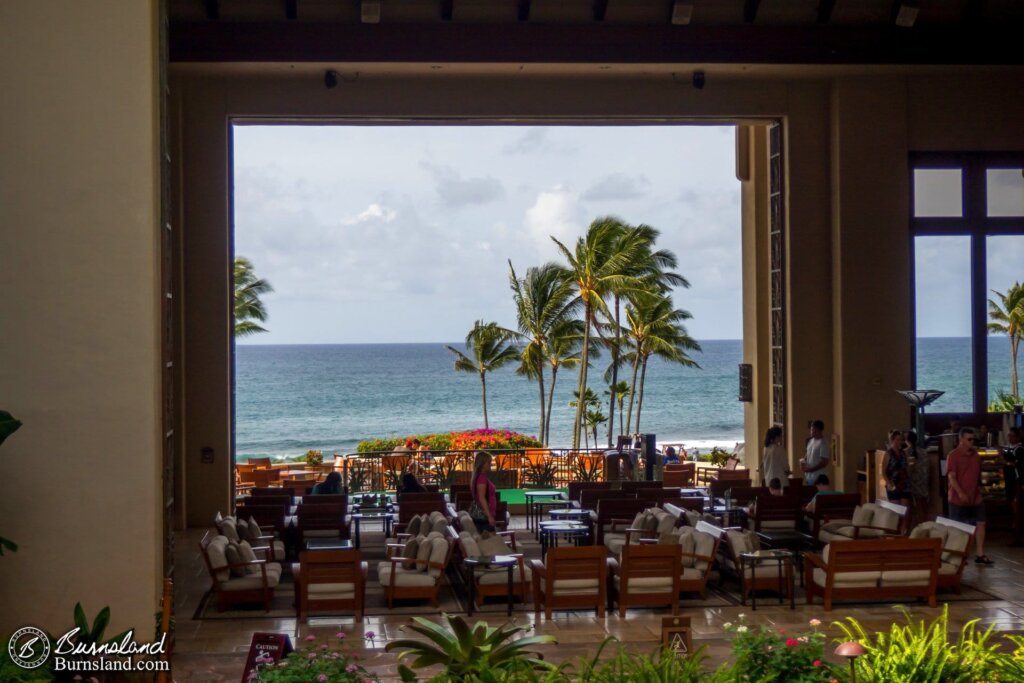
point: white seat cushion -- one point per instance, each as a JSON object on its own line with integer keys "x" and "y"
{"x": 906, "y": 577}
{"x": 469, "y": 545}
{"x": 250, "y": 582}
{"x": 575, "y": 587}
{"x": 848, "y": 579}
{"x": 948, "y": 568}
{"x": 646, "y": 584}
{"x": 691, "y": 574}
{"x": 216, "y": 551}
{"x": 438, "y": 553}
{"x": 499, "y": 575}
{"x": 403, "y": 577}
{"x": 331, "y": 591}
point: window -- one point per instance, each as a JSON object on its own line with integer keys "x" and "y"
{"x": 967, "y": 221}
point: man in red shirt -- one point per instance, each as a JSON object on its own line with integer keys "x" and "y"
{"x": 963, "y": 469}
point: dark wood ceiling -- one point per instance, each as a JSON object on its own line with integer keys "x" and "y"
{"x": 599, "y": 31}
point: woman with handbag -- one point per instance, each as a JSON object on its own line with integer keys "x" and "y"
{"x": 485, "y": 497}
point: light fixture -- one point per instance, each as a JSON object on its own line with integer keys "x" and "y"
{"x": 851, "y": 650}
{"x": 919, "y": 398}
{"x": 682, "y": 12}
{"x": 330, "y": 79}
{"x": 370, "y": 11}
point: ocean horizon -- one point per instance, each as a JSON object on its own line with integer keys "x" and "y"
{"x": 295, "y": 397}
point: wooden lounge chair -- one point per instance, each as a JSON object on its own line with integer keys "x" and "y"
{"x": 331, "y": 580}
{"x": 416, "y": 577}
{"x": 242, "y": 581}
{"x": 647, "y": 575}
{"x": 571, "y": 578}
{"x": 957, "y": 542}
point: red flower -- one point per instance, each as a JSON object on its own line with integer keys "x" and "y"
{"x": 817, "y": 663}
{"x": 792, "y": 642}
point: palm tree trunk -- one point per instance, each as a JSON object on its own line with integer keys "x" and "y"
{"x": 1014, "y": 341}
{"x": 640, "y": 400}
{"x": 632, "y": 390}
{"x": 551, "y": 402}
{"x": 483, "y": 389}
{"x": 584, "y": 362}
{"x": 540, "y": 382}
{"x": 615, "y": 378}
{"x": 621, "y": 411}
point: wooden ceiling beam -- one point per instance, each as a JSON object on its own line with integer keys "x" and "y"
{"x": 532, "y": 43}
{"x": 291, "y": 9}
{"x": 447, "y": 9}
{"x": 750, "y": 8}
{"x": 212, "y": 9}
{"x": 600, "y": 9}
{"x": 523, "y": 10}
{"x": 825, "y": 9}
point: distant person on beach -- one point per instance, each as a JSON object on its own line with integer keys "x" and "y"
{"x": 817, "y": 456}
{"x": 330, "y": 485}
{"x": 774, "y": 461}
{"x": 896, "y": 470}
{"x": 410, "y": 480}
{"x": 485, "y": 497}
{"x": 963, "y": 469}
{"x": 824, "y": 486}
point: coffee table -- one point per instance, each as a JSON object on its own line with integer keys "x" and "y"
{"x": 551, "y": 531}
{"x": 755, "y": 559}
{"x": 384, "y": 517}
{"x": 534, "y": 504}
{"x": 508, "y": 562}
{"x": 792, "y": 540}
{"x": 569, "y": 515}
{"x": 328, "y": 544}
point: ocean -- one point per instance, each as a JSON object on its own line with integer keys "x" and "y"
{"x": 292, "y": 398}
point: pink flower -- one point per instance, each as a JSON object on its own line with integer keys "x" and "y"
{"x": 310, "y": 638}
{"x": 370, "y": 635}
{"x": 817, "y": 663}
{"x": 351, "y": 668}
{"x": 792, "y": 642}
{"x": 251, "y": 677}
{"x": 323, "y": 647}
{"x": 340, "y": 635}
{"x": 322, "y": 678}
{"x": 815, "y": 623}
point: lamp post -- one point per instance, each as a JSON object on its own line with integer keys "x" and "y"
{"x": 851, "y": 650}
{"x": 919, "y": 398}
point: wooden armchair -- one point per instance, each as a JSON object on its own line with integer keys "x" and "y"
{"x": 828, "y": 508}
{"x": 871, "y": 520}
{"x": 719, "y": 485}
{"x": 571, "y": 578}
{"x": 681, "y": 475}
{"x": 576, "y": 489}
{"x": 700, "y": 546}
{"x": 647, "y": 575}
{"x": 403, "y": 577}
{"x": 322, "y": 521}
{"x": 331, "y": 580}
{"x": 774, "y": 513}
{"x": 266, "y": 478}
{"x": 494, "y": 582}
{"x": 957, "y": 543}
{"x": 245, "y": 580}
{"x": 739, "y": 541}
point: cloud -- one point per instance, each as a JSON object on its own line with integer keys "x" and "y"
{"x": 536, "y": 141}
{"x": 555, "y": 213}
{"x": 456, "y": 192}
{"x": 618, "y": 186}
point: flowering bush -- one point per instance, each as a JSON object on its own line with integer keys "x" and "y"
{"x": 314, "y": 663}
{"x": 490, "y": 439}
{"x": 314, "y": 457}
{"x": 767, "y": 655}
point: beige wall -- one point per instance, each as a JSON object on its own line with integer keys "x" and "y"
{"x": 79, "y": 346}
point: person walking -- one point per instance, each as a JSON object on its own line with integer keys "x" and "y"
{"x": 816, "y": 459}
{"x": 896, "y": 470}
{"x": 963, "y": 468}
{"x": 485, "y": 497}
{"x": 774, "y": 460}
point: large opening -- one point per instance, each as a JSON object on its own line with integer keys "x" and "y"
{"x": 384, "y": 243}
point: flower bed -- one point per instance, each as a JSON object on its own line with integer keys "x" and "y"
{"x": 489, "y": 439}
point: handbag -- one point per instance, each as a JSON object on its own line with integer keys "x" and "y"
{"x": 477, "y": 512}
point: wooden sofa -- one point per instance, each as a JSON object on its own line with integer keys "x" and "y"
{"x": 870, "y": 520}
{"x": 571, "y": 577}
{"x": 331, "y": 580}
{"x": 242, "y": 581}
{"x": 895, "y": 568}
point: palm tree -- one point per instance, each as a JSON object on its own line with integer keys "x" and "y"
{"x": 564, "y": 343}
{"x": 590, "y": 402}
{"x": 594, "y": 418}
{"x": 1007, "y": 316}
{"x": 543, "y": 300}
{"x": 655, "y": 328}
{"x": 492, "y": 347}
{"x": 652, "y": 270}
{"x": 617, "y": 393}
{"x": 247, "y": 304}
{"x": 600, "y": 261}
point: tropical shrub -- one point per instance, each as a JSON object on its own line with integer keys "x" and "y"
{"x": 661, "y": 666}
{"x": 922, "y": 652}
{"x": 314, "y": 457}
{"x": 467, "y": 652}
{"x": 768, "y": 655}
{"x": 1004, "y": 402}
{"x": 488, "y": 439}
{"x": 315, "y": 663}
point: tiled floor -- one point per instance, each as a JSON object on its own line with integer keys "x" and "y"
{"x": 215, "y": 650}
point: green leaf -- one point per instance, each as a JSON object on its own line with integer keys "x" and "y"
{"x": 100, "y": 624}
{"x": 8, "y": 425}
{"x": 8, "y": 544}
{"x": 406, "y": 674}
{"x": 81, "y": 622}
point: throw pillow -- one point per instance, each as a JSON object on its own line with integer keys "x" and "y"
{"x": 412, "y": 547}
{"x": 254, "y": 529}
{"x": 423, "y": 554}
{"x": 234, "y": 558}
{"x": 414, "y": 525}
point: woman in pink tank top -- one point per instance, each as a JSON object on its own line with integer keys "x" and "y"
{"x": 485, "y": 498}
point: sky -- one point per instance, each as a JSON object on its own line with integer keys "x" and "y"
{"x": 376, "y": 234}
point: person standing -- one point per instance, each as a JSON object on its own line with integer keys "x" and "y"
{"x": 920, "y": 478}
{"x": 817, "y": 457}
{"x": 485, "y": 497}
{"x": 1014, "y": 477}
{"x": 896, "y": 470}
{"x": 963, "y": 468}
{"x": 774, "y": 461}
